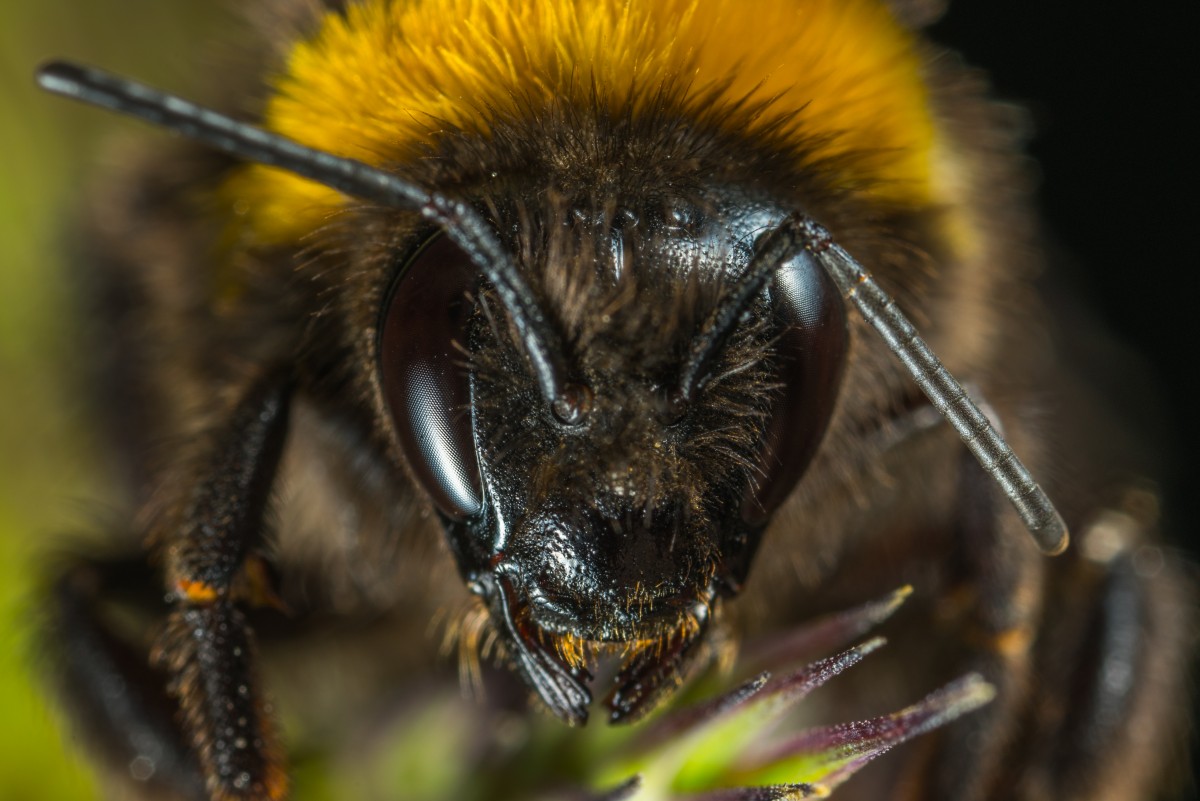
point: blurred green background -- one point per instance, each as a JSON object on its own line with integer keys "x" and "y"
{"x": 51, "y": 482}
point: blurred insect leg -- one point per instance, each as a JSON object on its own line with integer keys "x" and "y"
{"x": 207, "y": 647}
{"x": 119, "y": 702}
{"x": 1112, "y": 698}
{"x": 1002, "y": 576}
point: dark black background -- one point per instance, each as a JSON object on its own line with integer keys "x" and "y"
{"x": 1113, "y": 91}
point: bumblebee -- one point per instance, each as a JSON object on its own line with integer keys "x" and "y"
{"x": 605, "y": 308}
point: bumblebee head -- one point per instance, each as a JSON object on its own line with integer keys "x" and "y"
{"x": 605, "y": 460}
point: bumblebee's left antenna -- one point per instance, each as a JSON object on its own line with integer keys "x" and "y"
{"x": 354, "y": 178}
{"x": 943, "y": 390}
{"x": 800, "y": 234}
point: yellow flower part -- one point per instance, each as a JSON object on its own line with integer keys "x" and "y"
{"x": 379, "y": 82}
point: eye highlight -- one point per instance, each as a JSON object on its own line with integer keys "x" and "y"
{"x": 425, "y": 379}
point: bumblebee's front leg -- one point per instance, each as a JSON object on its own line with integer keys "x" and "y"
{"x": 1001, "y": 593}
{"x": 114, "y": 696}
{"x": 206, "y": 536}
{"x": 1110, "y": 708}
{"x": 1086, "y": 654}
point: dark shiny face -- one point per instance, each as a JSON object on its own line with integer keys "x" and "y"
{"x": 617, "y": 516}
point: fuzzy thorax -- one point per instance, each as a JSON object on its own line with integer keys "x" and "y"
{"x": 381, "y": 81}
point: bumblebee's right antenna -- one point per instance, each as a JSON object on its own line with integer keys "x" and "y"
{"x": 461, "y": 223}
{"x": 942, "y": 389}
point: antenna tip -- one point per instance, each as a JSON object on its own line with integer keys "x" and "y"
{"x": 60, "y": 77}
{"x": 1052, "y": 536}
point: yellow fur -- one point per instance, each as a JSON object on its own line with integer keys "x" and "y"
{"x": 381, "y": 82}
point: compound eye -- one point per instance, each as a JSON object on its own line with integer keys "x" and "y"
{"x": 425, "y": 377}
{"x": 811, "y": 353}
